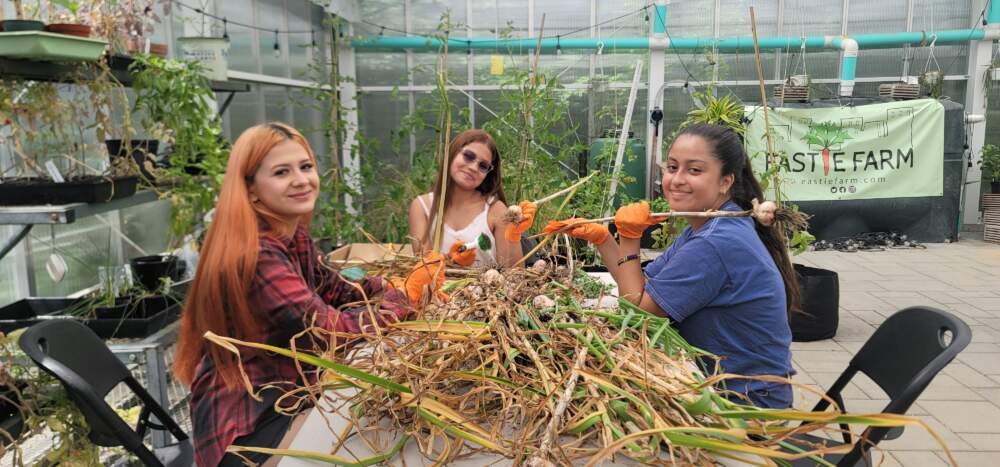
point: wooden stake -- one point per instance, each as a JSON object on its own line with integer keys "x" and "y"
{"x": 763, "y": 102}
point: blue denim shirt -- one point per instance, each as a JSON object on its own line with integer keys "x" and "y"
{"x": 726, "y": 295}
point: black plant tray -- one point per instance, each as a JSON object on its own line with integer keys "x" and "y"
{"x": 133, "y": 327}
{"x": 33, "y": 191}
{"x": 29, "y": 311}
{"x": 26, "y": 312}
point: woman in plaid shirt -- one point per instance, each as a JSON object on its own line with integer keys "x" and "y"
{"x": 258, "y": 279}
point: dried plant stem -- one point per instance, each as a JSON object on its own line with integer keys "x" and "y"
{"x": 445, "y": 131}
{"x": 568, "y": 189}
{"x": 552, "y": 429}
{"x": 529, "y": 102}
{"x": 514, "y": 215}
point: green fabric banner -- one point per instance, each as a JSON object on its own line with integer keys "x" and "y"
{"x": 891, "y": 150}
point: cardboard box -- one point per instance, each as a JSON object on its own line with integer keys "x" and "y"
{"x": 358, "y": 254}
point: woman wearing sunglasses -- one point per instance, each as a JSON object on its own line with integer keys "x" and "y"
{"x": 474, "y": 204}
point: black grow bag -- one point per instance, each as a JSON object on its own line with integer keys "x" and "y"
{"x": 820, "y": 289}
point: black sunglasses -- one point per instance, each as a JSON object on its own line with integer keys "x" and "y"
{"x": 484, "y": 166}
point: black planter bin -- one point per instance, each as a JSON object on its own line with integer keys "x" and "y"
{"x": 149, "y": 269}
{"x": 819, "y": 318}
{"x": 27, "y": 191}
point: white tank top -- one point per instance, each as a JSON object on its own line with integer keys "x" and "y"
{"x": 479, "y": 225}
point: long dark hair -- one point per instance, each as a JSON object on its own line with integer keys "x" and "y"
{"x": 492, "y": 185}
{"x": 727, "y": 147}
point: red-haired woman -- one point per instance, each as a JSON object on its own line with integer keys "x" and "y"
{"x": 258, "y": 279}
{"x": 474, "y": 204}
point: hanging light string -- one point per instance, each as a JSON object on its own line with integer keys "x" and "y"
{"x": 382, "y": 29}
{"x": 226, "y": 22}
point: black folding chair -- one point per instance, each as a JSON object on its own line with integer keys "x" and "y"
{"x": 89, "y": 371}
{"x": 903, "y": 355}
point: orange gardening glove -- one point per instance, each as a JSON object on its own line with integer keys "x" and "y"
{"x": 465, "y": 258}
{"x": 426, "y": 275}
{"x": 633, "y": 219}
{"x": 593, "y": 233}
{"x": 514, "y": 231}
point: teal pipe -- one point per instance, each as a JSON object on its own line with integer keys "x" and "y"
{"x": 993, "y": 14}
{"x": 660, "y": 19}
{"x": 423, "y": 43}
{"x": 865, "y": 41}
{"x": 848, "y": 68}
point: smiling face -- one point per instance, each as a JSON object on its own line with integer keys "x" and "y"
{"x": 692, "y": 176}
{"x": 286, "y": 182}
{"x": 471, "y": 165}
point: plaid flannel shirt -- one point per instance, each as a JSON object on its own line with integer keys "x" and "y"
{"x": 289, "y": 291}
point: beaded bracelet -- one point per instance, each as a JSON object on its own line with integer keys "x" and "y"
{"x": 627, "y": 258}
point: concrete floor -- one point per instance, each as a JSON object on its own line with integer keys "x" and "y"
{"x": 962, "y": 404}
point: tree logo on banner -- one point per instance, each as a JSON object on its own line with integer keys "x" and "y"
{"x": 826, "y": 135}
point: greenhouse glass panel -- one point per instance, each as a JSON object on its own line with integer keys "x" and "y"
{"x": 299, "y": 44}
{"x": 271, "y": 16}
{"x": 428, "y": 15}
{"x": 242, "y": 49}
{"x": 308, "y": 119}
{"x": 379, "y": 117}
{"x": 381, "y": 68}
{"x": 425, "y": 68}
{"x": 8, "y": 271}
{"x": 563, "y": 18}
{"x": 148, "y": 227}
{"x": 618, "y": 18}
{"x": 500, "y": 18}
{"x": 734, "y": 17}
{"x": 691, "y": 19}
{"x": 376, "y": 13}
{"x": 244, "y": 112}
{"x": 84, "y": 245}
{"x": 275, "y": 103}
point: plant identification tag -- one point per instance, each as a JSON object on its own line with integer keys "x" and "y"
{"x": 54, "y": 172}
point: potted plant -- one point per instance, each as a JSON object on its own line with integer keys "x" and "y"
{"x": 173, "y": 96}
{"x": 932, "y": 83}
{"x": 20, "y": 23}
{"x": 66, "y": 22}
{"x": 991, "y": 167}
{"x": 54, "y": 161}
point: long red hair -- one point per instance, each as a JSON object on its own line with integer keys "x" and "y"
{"x": 217, "y": 300}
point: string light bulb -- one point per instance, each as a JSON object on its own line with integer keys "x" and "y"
{"x": 277, "y": 48}
{"x": 558, "y": 46}
{"x": 312, "y": 36}
{"x": 225, "y": 29}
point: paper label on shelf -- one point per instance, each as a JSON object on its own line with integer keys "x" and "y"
{"x": 54, "y": 172}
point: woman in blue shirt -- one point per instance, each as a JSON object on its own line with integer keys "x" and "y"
{"x": 727, "y": 283}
